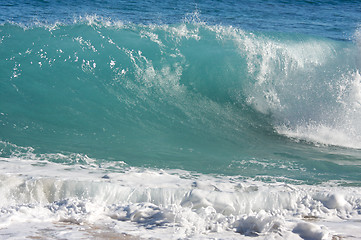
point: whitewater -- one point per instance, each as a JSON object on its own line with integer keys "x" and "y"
{"x": 145, "y": 121}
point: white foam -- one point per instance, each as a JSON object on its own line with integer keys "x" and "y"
{"x": 73, "y": 201}
{"x": 311, "y": 231}
{"x": 319, "y": 133}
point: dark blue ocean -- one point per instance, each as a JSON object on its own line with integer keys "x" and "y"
{"x": 181, "y": 119}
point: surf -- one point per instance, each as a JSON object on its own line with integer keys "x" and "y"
{"x": 80, "y": 200}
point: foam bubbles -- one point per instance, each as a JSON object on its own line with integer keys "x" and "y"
{"x": 311, "y": 231}
{"x": 168, "y": 204}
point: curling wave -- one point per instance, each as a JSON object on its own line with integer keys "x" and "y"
{"x": 179, "y": 96}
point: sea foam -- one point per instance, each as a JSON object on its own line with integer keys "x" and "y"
{"x": 168, "y": 203}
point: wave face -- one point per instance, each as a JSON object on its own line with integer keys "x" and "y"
{"x": 192, "y": 96}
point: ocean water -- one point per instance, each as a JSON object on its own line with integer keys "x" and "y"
{"x": 180, "y": 119}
